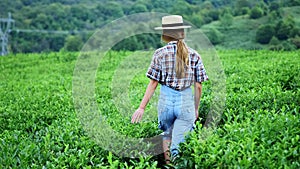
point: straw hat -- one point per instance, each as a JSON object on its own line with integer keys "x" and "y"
{"x": 172, "y": 22}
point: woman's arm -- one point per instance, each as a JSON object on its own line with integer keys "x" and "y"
{"x": 198, "y": 93}
{"x": 138, "y": 114}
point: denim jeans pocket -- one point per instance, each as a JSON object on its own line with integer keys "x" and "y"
{"x": 188, "y": 113}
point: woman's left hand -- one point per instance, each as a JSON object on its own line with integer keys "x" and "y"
{"x": 137, "y": 115}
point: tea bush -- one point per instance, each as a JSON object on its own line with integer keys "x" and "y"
{"x": 259, "y": 128}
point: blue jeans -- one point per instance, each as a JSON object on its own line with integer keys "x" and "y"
{"x": 176, "y": 115}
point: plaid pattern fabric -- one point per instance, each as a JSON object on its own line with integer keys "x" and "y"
{"x": 162, "y": 68}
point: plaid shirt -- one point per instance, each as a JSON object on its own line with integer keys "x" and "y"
{"x": 162, "y": 68}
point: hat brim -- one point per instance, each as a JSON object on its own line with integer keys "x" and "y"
{"x": 173, "y": 27}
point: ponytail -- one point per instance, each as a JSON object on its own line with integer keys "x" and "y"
{"x": 182, "y": 59}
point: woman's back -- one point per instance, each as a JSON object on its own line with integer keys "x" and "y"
{"x": 163, "y": 67}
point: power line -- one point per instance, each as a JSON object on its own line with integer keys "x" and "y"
{"x": 51, "y": 31}
{"x": 7, "y": 25}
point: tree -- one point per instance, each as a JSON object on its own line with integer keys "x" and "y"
{"x": 288, "y": 46}
{"x": 138, "y": 8}
{"x": 293, "y": 3}
{"x": 182, "y": 8}
{"x": 296, "y": 41}
{"x": 110, "y": 10}
{"x": 265, "y": 33}
{"x": 294, "y": 32}
{"x": 274, "y": 41}
{"x": 274, "y": 6}
{"x": 130, "y": 43}
{"x": 207, "y": 5}
{"x": 245, "y": 10}
{"x": 197, "y": 20}
{"x": 214, "y": 14}
{"x": 79, "y": 12}
{"x": 215, "y": 36}
{"x": 283, "y": 29}
{"x": 56, "y": 42}
{"x": 274, "y": 44}
{"x": 240, "y": 5}
{"x": 256, "y": 12}
{"x": 73, "y": 43}
{"x": 226, "y": 20}
{"x": 41, "y": 21}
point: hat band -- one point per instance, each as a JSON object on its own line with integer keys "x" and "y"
{"x": 172, "y": 25}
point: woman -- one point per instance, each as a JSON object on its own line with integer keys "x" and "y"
{"x": 176, "y": 67}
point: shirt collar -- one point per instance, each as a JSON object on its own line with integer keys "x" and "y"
{"x": 172, "y": 43}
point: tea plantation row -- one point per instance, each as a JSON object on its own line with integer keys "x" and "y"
{"x": 259, "y": 128}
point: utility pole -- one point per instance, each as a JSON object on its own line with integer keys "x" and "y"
{"x": 6, "y": 25}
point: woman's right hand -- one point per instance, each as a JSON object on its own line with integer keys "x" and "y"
{"x": 137, "y": 115}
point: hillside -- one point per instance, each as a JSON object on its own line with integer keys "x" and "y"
{"x": 47, "y": 25}
{"x": 242, "y": 32}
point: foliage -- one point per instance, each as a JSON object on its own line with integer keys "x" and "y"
{"x": 256, "y": 12}
{"x": 296, "y": 41}
{"x": 32, "y": 16}
{"x": 293, "y": 2}
{"x": 287, "y": 45}
{"x": 259, "y": 129}
{"x": 214, "y": 36}
{"x": 274, "y": 41}
{"x": 265, "y": 33}
{"x": 274, "y": 6}
{"x": 239, "y": 4}
{"x": 73, "y": 43}
{"x": 283, "y": 30}
{"x": 275, "y": 44}
{"x": 262, "y": 124}
{"x": 226, "y": 20}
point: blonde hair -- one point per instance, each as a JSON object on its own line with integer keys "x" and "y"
{"x": 182, "y": 59}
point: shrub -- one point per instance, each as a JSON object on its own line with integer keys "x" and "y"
{"x": 274, "y": 41}
{"x": 296, "y": 41}
{"x": 287, "y": 45}
{"x": 256, "y": 12}
{"x": 274, "y": 6}
{"x": 215, "y": 36}
{"x": 265, "y": 33}
{"x": 197, "y": 20}
{"x": 245, "y": 10}
{"x": 282, "y": 30}
{"x": 268, "y": 131}
{"x": 226, "y": 19}
{"x": 73, "y": 43}
{"x": 294, "y": 32}
{"x": 275, "y": 44}
{"x": 240, "y": 5}
{"x": 214, "y": 14}
{"x": 276, "y": 47}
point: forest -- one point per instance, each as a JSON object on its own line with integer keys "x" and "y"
{"x": 54, "y": 25}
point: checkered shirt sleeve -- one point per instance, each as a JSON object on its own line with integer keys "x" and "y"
{"x": 155, "y": 69}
